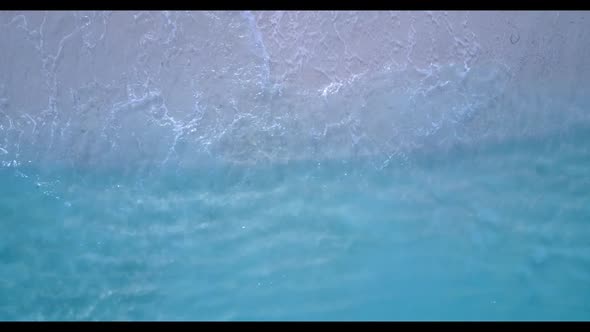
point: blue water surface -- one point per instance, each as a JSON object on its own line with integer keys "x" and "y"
{"x": 493, "y": 232}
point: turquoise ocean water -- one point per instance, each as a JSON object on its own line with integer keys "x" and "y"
{"x": 489, "y": 232}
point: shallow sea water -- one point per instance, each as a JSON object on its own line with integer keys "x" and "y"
{"x": 497, "y": 232}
